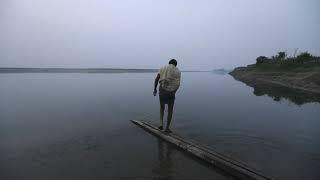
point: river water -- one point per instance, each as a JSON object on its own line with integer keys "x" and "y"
{"x": 76, "y": 126}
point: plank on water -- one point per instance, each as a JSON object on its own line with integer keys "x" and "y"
{"x": 214, "y": 158}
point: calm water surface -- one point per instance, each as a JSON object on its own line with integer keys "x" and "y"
{"x": 76, "y": 126}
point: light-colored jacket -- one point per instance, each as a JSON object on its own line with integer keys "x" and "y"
{"x": 170, "y": 77}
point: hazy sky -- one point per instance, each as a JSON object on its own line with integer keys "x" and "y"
{"x": 200, "y": 34}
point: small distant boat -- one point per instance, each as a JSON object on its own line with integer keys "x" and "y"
{"x": 221, "y": 71}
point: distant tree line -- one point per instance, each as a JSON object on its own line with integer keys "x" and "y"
{"x": 282, "y": 59}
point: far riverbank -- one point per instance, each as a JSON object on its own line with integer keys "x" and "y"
{"x": 301, "y": 73}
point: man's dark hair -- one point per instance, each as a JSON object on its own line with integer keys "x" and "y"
{"x": 173, "y": 61}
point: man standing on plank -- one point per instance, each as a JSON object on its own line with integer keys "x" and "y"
{"x": 169, "y": 79}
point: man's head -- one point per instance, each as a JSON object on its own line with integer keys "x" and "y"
{"x": 173, "y": 61}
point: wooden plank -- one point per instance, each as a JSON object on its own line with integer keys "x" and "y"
{"x": 229, "y": 165}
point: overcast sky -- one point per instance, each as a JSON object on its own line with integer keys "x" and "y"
{"x": 200, "y": 34}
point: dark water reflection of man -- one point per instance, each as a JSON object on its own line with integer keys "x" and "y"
{"x": 164, "y": 164}
{"x": 169, "y": 79}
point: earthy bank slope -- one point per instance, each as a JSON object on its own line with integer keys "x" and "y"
{"x": 304, "y": 78}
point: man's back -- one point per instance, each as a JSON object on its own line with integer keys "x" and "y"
{"x": 169, "y": 77}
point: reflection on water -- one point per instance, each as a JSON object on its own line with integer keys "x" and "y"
{"x": 164, "y": 166}
{"x": 278, "y": 93}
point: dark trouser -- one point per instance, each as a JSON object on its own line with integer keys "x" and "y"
{"x": 166, "y": 97}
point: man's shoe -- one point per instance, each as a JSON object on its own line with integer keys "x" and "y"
{"x": 168, "y": 131}
{"x": 160, "y": 127}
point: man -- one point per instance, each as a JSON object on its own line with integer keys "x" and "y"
{"x": 169, "y": 80}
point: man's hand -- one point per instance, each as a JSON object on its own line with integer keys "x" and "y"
{"x": 156, "y": 81}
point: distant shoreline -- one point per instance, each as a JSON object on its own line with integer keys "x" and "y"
{"x": 300, "y": 72}
{"x": 79, "y": 70}
{"x": 306, "y": 81}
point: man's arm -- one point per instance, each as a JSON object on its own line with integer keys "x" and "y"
{"x": 156, "y": 81}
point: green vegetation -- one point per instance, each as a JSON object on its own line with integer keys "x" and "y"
{"x": 283, "y": 61}
{"x": 301, "y": 72}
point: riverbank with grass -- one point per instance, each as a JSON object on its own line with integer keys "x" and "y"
{"x": 301, "y": 73}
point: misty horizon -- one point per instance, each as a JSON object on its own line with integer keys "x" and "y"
{"x": 103, "y": 68}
